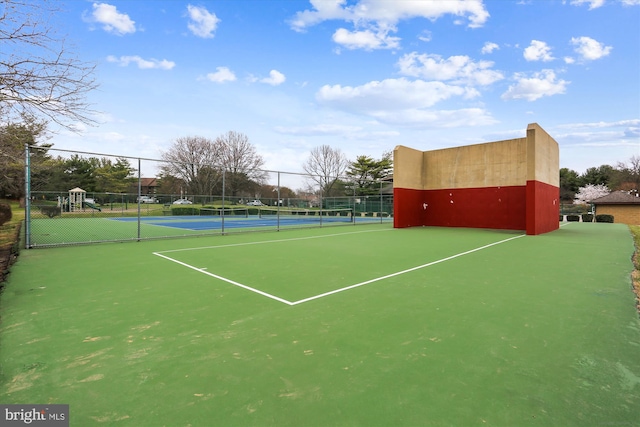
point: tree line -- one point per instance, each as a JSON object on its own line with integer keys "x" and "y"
{"x": 94, "y": 174}
{"x": 622, "y": 176}
{"x": 196, "y": 165}
{"x": 229, "y": 163}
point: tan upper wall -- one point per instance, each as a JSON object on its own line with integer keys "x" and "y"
{"x": 492, "y": 164}
{"x": 543, "y": 156}
{"x": 409, "y": 175}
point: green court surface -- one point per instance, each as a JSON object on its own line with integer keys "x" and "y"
{"x": 338, "y": 326}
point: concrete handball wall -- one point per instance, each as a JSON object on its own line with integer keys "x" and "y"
{"x": 507, "y": 184}
{"x": 543, "y": 156}
{"x": 491, "y": 164}
{"x": 543, "y": 181}
{"x": 411, "y": 174}
{"x": 622, "y": 214}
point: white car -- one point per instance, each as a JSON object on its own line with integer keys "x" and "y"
{"x": 255, "y": 203}
{"x": 183, "y": 202}
{"x": 147, "y": 199}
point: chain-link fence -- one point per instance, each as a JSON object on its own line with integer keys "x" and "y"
{"x": 79, "y": 197}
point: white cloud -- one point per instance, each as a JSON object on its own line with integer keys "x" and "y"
{"x": 374, "y": 19}
{"x": 590, "y": 125}
{"x": 593, "y": 4}
{"x": 322, "y": 129}
{"x": 367, "y": 39}
{"x": 436, "y": 118}
{"x": 388, "y": 94}
{"x": 143, "y": 64}
{"x": 538, "y": 51}
{"x": 112, "y": 21}
{"x": 426, "y": 35}
{"x": 222, "y": 74}
{"x": 395, "y": 102}
{"x": 541, "y": 84}
{"x": 275, "y": 78}
{"x": 489, "y": 47}
{"x": 389, "y": 12}
{"x": 323, "y": 10}
{"x": 202, "y": 22}
{"x": 590, "y": 49}
{"x": 459, "y": 69}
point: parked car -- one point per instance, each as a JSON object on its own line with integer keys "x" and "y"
{"x": 90, "y": 200}
{"x": 183, "y": 202}
{"x": 255, "y": 203}
{"x": 147, "y": 199}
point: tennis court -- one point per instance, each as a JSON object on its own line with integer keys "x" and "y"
{"x": 218, "y": 219}
{"x": 335, "y": 326}
{"x": 107, "y": 227}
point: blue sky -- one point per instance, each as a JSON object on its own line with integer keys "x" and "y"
{"x": 360, "y": 75}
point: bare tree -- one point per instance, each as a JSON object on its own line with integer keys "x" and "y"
{"x": 325, "y": 165}
{"x": 627, "y": 176}
{"x": 200, "y": 163}
{"x": 196, "y": 161}
{"x": 240, "y": 161}
{"x": 39, "y": 76}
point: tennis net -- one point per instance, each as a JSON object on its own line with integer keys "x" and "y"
{"x": 234, "y": 212}
{"x": 308, "y": 215}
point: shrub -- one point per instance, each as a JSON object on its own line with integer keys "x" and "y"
{"x": 604, "y": 218}
{"x": 50, "y": 211}
{"x": 5, "y": 213}
{"x": 573, "y": 218}
{"x": 587, "y": 217}
{"x": 253, "y": 211}
{"x": 185, "y": 210}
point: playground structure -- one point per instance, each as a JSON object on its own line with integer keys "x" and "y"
{"x": 76, "y": 202}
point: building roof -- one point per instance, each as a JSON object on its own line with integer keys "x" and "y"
{"x": 617, "y": 198}
{"x": 148, "y": 182}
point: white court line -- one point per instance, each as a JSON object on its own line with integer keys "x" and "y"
{"x": 405, "y": 271}
{"x": 282, "y": 300}
{"x": 249, "y": 288}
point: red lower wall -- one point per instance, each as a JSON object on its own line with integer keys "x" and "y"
{"x": 490, "y": 207}
{"x": 532, "y": 207}
{"x": 542, "y": 207}
{"x": 407, "y": 211}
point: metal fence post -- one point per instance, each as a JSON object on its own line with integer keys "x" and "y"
{"x": 27, "y": 203}
{"x": 139, "y": 191}
{"x": 380, "y": 208}
{"x": 223, "y": 196}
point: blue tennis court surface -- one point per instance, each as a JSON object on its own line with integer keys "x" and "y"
{"x": 197, "y": 223}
